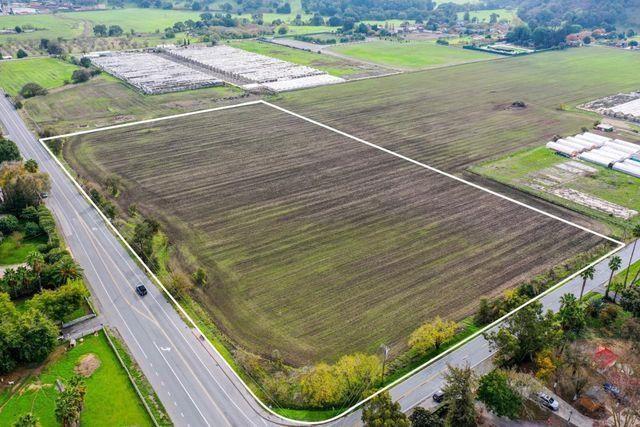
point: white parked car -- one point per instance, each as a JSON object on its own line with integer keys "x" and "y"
{"x": 548, "y": 401}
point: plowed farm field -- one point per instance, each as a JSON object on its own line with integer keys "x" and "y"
{"x": 318, "y": 245}
{"x": 455, "y": 117}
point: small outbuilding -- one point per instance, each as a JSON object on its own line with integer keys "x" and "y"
{"x": 603, "y": 127}
{"x": 604, "y": 358}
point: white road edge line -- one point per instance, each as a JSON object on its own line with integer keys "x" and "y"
{"x": 431, "y": 168}
{"x": 182, "y": 385}
{"x": 42, "y": 141}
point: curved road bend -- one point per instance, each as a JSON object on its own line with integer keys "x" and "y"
{"x": 418, "y": 389}
{"x": 196, "y": 387}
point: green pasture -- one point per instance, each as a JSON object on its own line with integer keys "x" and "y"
{"x": 485, "y": 15}
{"x": 47, "y": 26}
{"x": 140, "y": 20}
{"x": 410, "y": 54}
{"x": 47, "y": 72}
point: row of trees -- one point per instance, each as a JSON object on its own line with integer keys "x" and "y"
{"x": 25, "y": 337}
{"x": 531, "y": 336}
{"x": 343, "y": 383}
{"x": 461, "y": 388}
{"x": 541, "y": 37}
{"x": 29, "y": 335}
{"x": 101, "y": 30}
{"x": 547, "y": 341}
{"x": 371, "y": 9}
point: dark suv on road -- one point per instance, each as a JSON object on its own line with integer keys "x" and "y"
{"x": 141, "y": 290}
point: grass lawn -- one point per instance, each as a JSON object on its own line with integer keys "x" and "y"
{"x": 517, "y": 169}
{"x": 332, "y": 65}
{"x": 72, "y": 24}
{"x": 140, "y": 20}
{"x": 308, "y": 29}
{"x": 14, "y": 250}
{"x": 410, "y": 54}
{"x": 485, "y": 15}
{"x": 47, "y": 72}
{"x": 47, "y": 26}
{"x": 108, "y": 384}
{"x": 106, "y": 100}
{"x": 517, "y": 165}
{"x": 633, "y": 270}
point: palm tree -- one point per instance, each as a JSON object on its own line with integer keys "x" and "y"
{"x": 586, "y": 274}
{"x": 636, "y": 234}
{"x": 635, "y": 277}
{"x": 66, "y": 269}
{"x": 35, "y": 260}
{"x": 614, "y": 265}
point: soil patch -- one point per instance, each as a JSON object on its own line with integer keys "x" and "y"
{"x": 87, "y": 365}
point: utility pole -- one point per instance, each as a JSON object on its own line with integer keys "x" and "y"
{"x": 385, "y": 354}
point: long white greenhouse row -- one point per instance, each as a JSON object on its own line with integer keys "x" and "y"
{"x": 254, "y": 68}
{"x": 631, "y": 107}
{"x": 153, "y": 74}
{"x": 617, "y": 154}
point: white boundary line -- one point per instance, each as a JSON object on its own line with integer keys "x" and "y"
{"x": 195, "y": 326}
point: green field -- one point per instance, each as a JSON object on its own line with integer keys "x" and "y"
{"x": 47, "y": 26}
{"x": 108, "y": 383}
{"x": 410, "y": 54}
{"x": 72, "y": 24}
{"x": 140, "y": 20}
{"x": 104, "y": 100}
{"x": 332, "y": 65}
{"x": 47, "y": 72}
{"x": 438, "y": 116}
{"x": 521, "y": 169}
{"x": 307, "y": 29}
{"x": 485, "y": 15}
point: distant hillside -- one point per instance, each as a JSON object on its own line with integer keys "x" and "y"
{"x": 371, "y": 9}
{"x": 632, "y": 18}
{"x": 587, "y": 13}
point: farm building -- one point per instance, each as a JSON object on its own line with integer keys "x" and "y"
{"x": 603, "y": 127}
{"x": 616, "y": 154}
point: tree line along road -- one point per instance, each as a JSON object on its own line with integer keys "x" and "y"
{"x": 193, "y": 382}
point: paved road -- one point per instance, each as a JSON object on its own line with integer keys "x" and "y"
{"x": 196, "y": 387}
{"x": 417, "y": 390}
